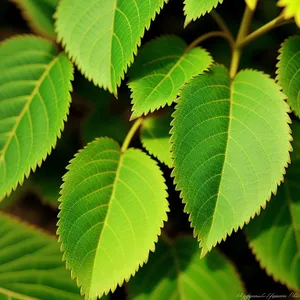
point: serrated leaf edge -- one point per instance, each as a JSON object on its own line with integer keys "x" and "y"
{"x": 112, "y": 90}
{"x": 263, "y": 206}
{"x": 64, "y": 119}
{"x": 151, "y": 110}
{"x": 152, "y": 248}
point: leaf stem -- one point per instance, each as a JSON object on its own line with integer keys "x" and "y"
{"x": 131, "y": 134}
{"x": 237, "y": 50}
{"x": 208, "y": 35}
{"x": 221, "y": 23}
{"x": 264, "y": 29}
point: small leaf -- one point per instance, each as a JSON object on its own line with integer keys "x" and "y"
{"x": 160, "y": 70}
{"x": 31, "y": 266}
{"x": 194, "y": 9}
{"x": 289, "y": 72}
{"x": 274, "y": 235}
{"x": 102, "y": 36}
{"x": 251, "y": 4}
{"x": 34, "y": 103}
{"x": 175, "y": 271}
{"x": 291, "y": 9}
{"x": 155, "y": 137}
{"x": 113, "y": 207}
{"x": 39, "y": 14}
{"x": 230, "y": 143}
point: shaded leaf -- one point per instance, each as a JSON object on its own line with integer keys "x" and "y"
{"x": 230, "y": 143}
{"x": 31, "y": 266}
{"x": 175, "y": 271}
{"x": 155, "y": 137}
{"x": 289, "y": 72}
{"x": 39, "y": 14}
{"x": 274, "y": 235}
{"x": 34, "y": 103}
{"x": 102, "y": 36}
{"x": 162, "y": 67}
{"x": 291, "y": 9}
{"x": 113, "y": 207}
{"x": 194, "y": 9}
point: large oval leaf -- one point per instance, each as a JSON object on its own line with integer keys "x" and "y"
{"x": 184, "y": 275}
{"x": 274, "y": 236}
{"x": 162, "y": 67}
{"x": 34, "y": 103}
{"x": 31, "y": 266}
{"x": 102, "y": 36}
{"x": 289, "y": 72}
{"x": 39, "y": 14}
{"x": 113, "y": 206}
{"x": 231, "y": 143}
{"x": 194, "y": 9}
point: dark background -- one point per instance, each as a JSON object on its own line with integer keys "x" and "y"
{"x": 261, "y": 55}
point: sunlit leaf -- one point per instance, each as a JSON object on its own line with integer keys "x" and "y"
{"x": 103, "y": 36}
{"x": 291, "y": 9}
{"x": 162, "y": 67}
{"x": 34, "y": 103}
{"x": 230, "y": 143}
{"x": 113, "y": 206}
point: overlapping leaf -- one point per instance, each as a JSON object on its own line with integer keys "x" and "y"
{"x": 160, "y": 70}
{"x": 102, "y": 36}
{"x": 31, "y": 266}
{"x": 184, "y": 275}
{"x": 155, "y": 137}
{"x": 289, "y": 72}
{"x": 113, "y": 206}
{"x": 34, "y": 103}
{"x": 39, "y": 14}
{"x": 194, "y": 9}
{"x": 291, "y": 9}
{"x": 274, "y": 235}
{"x": 230, "y": 143}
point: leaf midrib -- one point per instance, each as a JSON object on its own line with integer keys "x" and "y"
{"x": 225, "y": 158}
{"x": 112, "y": 196}
{"x": 26, "y": 106}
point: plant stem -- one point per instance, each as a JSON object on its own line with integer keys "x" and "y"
{"x": 264, "y": 29}
{"x": 223, "y": 26}
{"x": 131, "y": 134}
{"x": 237, "y": 50}
{"x": 208, "y": 35}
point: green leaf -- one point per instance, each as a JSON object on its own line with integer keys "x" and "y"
{"x": 102, "y": 36}
{"x": 113, "y": 207}
{"x": 39, "y": 14}
{"x": 291, "y": 9}
{"x": 274, "y": 235}
{"x": 289, "y": 72}
{"x": 155, "y": 137}
{"x": 31, "y": 266}
{"x": 230, "y": 143}
{"x": 34, "y": 103}
{"x": 175, "y": 271}
{"x": 194, "y": 9}
{"x": 162, "y": 67}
